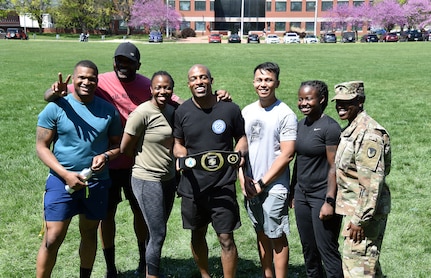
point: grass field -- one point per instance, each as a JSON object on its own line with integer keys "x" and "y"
{"x": 397, "y": 86}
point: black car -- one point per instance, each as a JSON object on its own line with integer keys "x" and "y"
{"x": 414, "y": 35}
{"x": 16, "y": 33}
{"x": 370, "y": 38}
{"x": 328, "y": 38}
{"x": 253, "y": 38}
{"x": 348, "y": 37}
{"x": 234, "y": 38}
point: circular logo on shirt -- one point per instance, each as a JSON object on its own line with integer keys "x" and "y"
{"x": 219, "y": 126}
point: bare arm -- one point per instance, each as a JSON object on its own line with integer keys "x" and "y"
{"x": 242, "y": 147}
{"x": 277, "y": 168}
{"x": 101, "y": 160}
{"x": 327, "y": 210}
{"x": 128, "y": 144}
{"x": 44, "y": 139}
{"x": 280, "y": 164}
{"x": 179, "y": 150}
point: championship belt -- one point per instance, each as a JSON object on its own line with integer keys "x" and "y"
{"x": 210, "y": 161}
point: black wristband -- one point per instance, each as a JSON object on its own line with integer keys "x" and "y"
{"x": 330, "y": 201}
{"x": 106, "y": 157}
{"x": 261, "y": 184}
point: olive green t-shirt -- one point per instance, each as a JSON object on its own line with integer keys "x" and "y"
{"x": 153, "y": 158}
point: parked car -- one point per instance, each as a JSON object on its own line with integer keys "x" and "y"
{"x": 234, "y": 38}
{"x": 2, "y": 33}
{"x": 16, "y": 33}
{"x": 415, "y": 35}
{"x": 370, "y": 38}
{"x": 155, "y": 36}
{"x": 310, "y": 39}
{"x": 272, "y": 38}
{"x": 291, "y": 38}
{"x": 328, "y": 38}
{"x": 214, "y": 38}
{"x": 253, "y": 38}
{"x": 348, "y": 37}
{"x": 389, "y": 37}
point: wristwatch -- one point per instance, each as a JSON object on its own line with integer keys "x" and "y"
{"x": 330, "y": 201}
{"x": 261, "y": 184}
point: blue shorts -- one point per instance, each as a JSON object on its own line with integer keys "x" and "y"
{"x": 60, "y": 205}
{"x": 268, "y": 212}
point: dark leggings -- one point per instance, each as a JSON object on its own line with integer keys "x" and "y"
{"x": 319, "y": 238}
{"x": 155, "y": 200}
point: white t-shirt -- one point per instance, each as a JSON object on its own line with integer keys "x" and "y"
{"x": 265, "y": 129}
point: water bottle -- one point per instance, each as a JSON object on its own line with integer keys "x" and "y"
{"x": 86, "y": 173}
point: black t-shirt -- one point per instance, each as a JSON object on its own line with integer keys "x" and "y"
{"x": 204, "y": 130}
{"x": 310, "y": 146}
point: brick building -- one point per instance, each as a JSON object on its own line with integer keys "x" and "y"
{"x": 273, "y": 16}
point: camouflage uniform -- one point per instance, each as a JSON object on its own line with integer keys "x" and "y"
{"x": 363, "y": 160}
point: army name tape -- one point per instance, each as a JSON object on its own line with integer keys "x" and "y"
{"x": 210, "y": 161}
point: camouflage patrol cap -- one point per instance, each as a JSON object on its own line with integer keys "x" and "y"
{"x": 349, "y": 90}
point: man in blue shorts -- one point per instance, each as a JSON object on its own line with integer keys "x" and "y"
{"x": 84, "y": 131}
{"x": 207, "y": 185}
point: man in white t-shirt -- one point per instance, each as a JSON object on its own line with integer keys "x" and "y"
{"x": 270, "y": 126}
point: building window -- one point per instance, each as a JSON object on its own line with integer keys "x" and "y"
{"x": 171, "y": 3}
{"x": 280, "y": 6}
{"x": 342, "y": 3}
{"x": 200, "y": 26}
{"x": 309, "y": 27}
{"x": 326, "y": 26}
{"x": 295, "y": 6}
{"x": 211, "y": 5}
{"x": 268, "y": 6}
{"x": 280, "y": 26}
{"x": 310, "y": 6}
{"x": 185, "y": 24}
{"x": 295, "y": 26}
{"x": 184, "y": 5}
{"x": 327, "y": 5}
{"x": 357, "y": 3}
{"x": 200, "y": 6}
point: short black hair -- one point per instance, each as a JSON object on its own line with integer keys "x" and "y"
{"x": 322, "y": 90}
{"x": 163, "y": 73}
{"x": 269, "y": 66}
{"x": 88, "y": 64}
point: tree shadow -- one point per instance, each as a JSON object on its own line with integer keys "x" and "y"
{"x": 186, "y": 268}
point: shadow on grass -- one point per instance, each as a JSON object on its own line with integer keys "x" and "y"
{"x": 186, "y": 268}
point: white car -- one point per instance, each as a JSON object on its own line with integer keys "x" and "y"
{"x": 291, "y": 38}
{"x": 310, "y": 39}
{"x": 272, "y": 38}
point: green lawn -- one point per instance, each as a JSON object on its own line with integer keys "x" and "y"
{"x": 396, "y": 77}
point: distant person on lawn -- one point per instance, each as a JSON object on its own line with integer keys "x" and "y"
{"x": 78, "y": 131}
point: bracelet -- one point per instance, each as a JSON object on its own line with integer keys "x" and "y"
{"x": 261, "y": 184}
{"x": 106, "y": 157}
{"x": 330, "y": 201}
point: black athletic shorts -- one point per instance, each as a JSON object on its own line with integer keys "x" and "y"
{"x": 217, "y": 206}
{"x": 121, "y": 179}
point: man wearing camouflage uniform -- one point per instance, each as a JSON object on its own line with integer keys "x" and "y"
{"x": 363, "y": 161}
